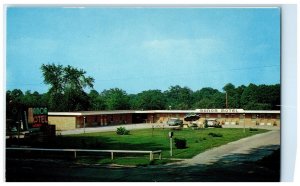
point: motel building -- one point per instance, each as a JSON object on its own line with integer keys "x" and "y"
{"x": 229, "y": 117}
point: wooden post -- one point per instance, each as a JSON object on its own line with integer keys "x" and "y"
{"x": 112, "y": 155}
{"x": 171, "y": 147}
{"x": 75, "y": 156}
{"x": 151, "y": 156}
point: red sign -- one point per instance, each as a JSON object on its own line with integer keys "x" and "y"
{"x": 40, "y": 117}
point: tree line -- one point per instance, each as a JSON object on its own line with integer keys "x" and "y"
{"x": 68, "y": 84}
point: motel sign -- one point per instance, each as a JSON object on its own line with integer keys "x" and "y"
{"x": 40, "y": 117}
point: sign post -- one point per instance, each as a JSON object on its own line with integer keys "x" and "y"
{"x": 171, "y": 143}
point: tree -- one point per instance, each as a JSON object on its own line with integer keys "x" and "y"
{"x": 33, "y": 99}
{"x": 67, "y": 85}
{"x": 115, "y": 99}
{"x": 232, "y": 95}
{"x": 179, "y": 97}
{"x": 96, "y": 101}
{"x": 204, "y": 103}
{"x": 149, "y": 100}
{"x": 249, "y": 96}
{"x": 205, "y": 98}
{"x": 14, "y": 103}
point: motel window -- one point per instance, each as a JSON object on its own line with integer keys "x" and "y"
{"x": 232, "y": 115}
{"x": 253, "y": 116}
{"x": 242, "y": 116}
{"x": 219, "y": 116}
{"x": 207, "y": 115}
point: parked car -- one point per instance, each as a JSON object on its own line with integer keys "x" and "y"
{"x": 212, "y": 122}
{"x": 174, "y": 122}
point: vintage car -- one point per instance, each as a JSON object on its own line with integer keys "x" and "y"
{"x": 174, "y": 122}
{"x": 212, "y": 122}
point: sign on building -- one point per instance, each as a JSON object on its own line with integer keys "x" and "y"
{"x": 40, "y": 117}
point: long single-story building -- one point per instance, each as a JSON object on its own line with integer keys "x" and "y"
{"x": 73, "y": 120}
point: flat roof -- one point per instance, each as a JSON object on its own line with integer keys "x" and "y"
{"x": 221, "y": 111}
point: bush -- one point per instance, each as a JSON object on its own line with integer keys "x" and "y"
{"x": 122, "y": 131}
{"x": 215, "y": 134}
{"x": 180, "y": 143}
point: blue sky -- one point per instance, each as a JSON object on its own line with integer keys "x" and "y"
{"x": 138, "y": 49}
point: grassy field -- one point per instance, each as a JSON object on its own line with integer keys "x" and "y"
{"x": 146, "y": 139}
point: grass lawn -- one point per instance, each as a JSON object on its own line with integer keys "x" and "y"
{"x": 197, "y": 141}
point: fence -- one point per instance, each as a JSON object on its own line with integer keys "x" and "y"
{"x": 112, "y": 152}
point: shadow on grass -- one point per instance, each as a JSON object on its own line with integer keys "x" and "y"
{"x": 259, "y": 165}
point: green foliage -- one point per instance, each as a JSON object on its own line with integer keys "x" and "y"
{"x": 180, "y": 143}
{"x": 67, "y": 94}
{"x": 179, "y": 97}
{"x": 215, "y": 134}
{"x": 66, "y": 87}
{"x": 115, "y": 99}
{"x": 122, "y": 131}
{"x": 149, "y": 100}
{"x": 96, "y": 101}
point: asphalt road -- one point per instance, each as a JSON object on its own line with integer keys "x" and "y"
{"x": 238, "y": 161}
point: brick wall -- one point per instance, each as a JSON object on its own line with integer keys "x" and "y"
{"x": 63, "y": 122}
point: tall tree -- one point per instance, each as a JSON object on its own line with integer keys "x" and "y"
{"x": 66, "y": 87}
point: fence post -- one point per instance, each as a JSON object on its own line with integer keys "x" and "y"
{"x": 151, "y": 156}
{"x": 75, "y": 156}
{"x": 112, "y": 155}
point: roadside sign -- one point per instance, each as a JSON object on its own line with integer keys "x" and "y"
{"x": 40, "y": 117}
